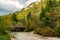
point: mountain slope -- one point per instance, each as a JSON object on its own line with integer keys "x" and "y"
{"x": 42, "y": 17}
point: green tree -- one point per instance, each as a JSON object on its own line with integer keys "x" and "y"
{"x": 14, "y": 18}
{"x": 4, "y": 24}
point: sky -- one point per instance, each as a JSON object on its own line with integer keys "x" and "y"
{"x": 8, "y": 6}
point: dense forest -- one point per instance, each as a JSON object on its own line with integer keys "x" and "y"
{"x": 41, "y": 17}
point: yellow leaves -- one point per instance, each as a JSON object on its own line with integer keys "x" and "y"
{"x": 8, "y": 17}
{"x": 43, "y": 3}
{"x": 20, "y": 16}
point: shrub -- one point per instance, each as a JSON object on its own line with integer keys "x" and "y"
{"x": 4, "y": 36}
{"x": 58, "y": 31}
{"x": 29, "y": 28}
{"x": 46, "y": 31}
{"x": 37, "y": 30}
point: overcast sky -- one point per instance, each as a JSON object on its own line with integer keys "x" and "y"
{"x": 7, "y": 6}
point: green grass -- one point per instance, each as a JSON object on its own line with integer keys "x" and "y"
{"x": 4, "y": 37}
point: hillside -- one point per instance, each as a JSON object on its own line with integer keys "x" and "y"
{"x": 41, "y": 17}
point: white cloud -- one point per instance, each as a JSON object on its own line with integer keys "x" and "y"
{"x": 13, "y": 5}
{"x": 8, "y": 3}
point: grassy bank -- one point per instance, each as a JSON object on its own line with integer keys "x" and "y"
{"x": 4, "y": 36}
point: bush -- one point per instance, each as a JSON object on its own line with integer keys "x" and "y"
{"x": 37, "y": 30}
{"x": 4, "y": 36}
{"x": 58, "y": 30}
{"x": 29, "y": 28}
{"x": 46, "y": 31}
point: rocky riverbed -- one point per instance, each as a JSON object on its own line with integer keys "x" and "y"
{"x": 30, "y": 36}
